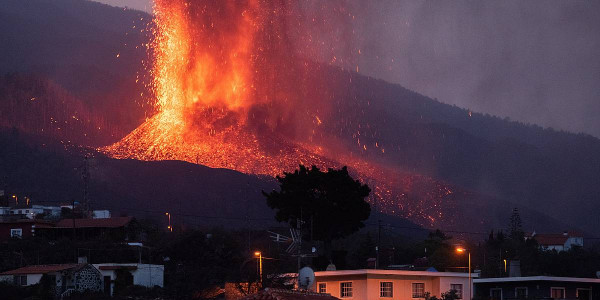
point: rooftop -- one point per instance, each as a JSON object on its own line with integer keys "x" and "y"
{"x": 394, "y": 272}
{"x": 536, "y": 278}
{"x": 94, "y": 223}
{"x": 281, "y": 294}
{"x": 42, "y": 269}
{"x": 548, "y": 239}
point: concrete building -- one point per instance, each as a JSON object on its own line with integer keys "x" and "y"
{"x": 101, "y": 214}
{"x": 15, "y": 227}
{"x": 537, "y": 287}
{"x": 141, "y": 274}
{"x": 391, "y": 284}
{"x": 64, "y": 279}
{"x": 35, "y": 210}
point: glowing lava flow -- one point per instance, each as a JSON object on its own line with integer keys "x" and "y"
{"x": 227, "y": 90}
{"x": 205, "y": 78}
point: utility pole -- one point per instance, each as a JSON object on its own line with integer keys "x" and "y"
{"x": 85, "y": 175}
{"x": 378, "y": 243}
{"x": 378, "y": 234}
{"x": 247, "y": 212}
{"x": 74, "y": 232}
{"x": 299, "y": 226}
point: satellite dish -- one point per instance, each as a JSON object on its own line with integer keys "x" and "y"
{"x": 306, "y": 278}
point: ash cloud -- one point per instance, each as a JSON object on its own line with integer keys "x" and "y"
{"x": 532, "y": 61}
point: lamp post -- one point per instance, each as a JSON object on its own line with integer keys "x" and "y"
{"x": 461, "y": 251}
{"x": 258, "y": 255}
{"x": 170, "y": 228}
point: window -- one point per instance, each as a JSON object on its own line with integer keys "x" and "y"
{"x": 20, "y": 280}
{"x": 584, "y": 294}
{"x": 322, "y": 288}
{"x": 386, "y": 289}
{"x": 496, "y": 294}
{"x": 521, "y": 292}
{"x": 418, "y": 290}
{"x": 557, "y": 293}
{"x": 346, "y": 289}
{"x": 458, "y": 288}
{"x": 16, "y": 233}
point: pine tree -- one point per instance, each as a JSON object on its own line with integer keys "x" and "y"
{"x": 515, "y": 227}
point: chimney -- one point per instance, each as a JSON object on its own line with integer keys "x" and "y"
{"x": 82, "y": 260}
{"x": 514, "y": 269}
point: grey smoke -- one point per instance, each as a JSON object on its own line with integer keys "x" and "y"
{"x": 532, "y": 61}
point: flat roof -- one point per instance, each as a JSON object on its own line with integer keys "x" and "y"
{"x": 42, "y": 269}
{"x": 394, "y": 272}
{"x": 536, "y": 278}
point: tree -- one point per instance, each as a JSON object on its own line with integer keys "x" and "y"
{"x": 515, "y": 227}
{"x": 332, "y": 203}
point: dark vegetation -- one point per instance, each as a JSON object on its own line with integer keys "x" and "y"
{"x": 332, "y": 204}
{"x": 65, "y": 53}
{"x": 200, "y": 261}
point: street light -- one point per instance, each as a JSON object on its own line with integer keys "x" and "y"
{"x": 461, "y": 250}
{"x": 258, "y": 255}
{"x": 170, "y": 228}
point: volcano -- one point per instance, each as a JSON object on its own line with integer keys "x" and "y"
{"x": 259, "y": 87}
{"x": 232, "y": 94}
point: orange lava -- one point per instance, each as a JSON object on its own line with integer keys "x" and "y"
{"x": 220, "y": 103}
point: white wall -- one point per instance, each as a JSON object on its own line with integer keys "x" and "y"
{"x": 149, "y": 275}
{"x": 368, "y": 287}
{"x": 145, "y": 275}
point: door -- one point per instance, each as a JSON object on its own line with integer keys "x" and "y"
{"x": 584, "y": 294}
{"x": 496, "y": 294}
{"x": 107, "y": 285}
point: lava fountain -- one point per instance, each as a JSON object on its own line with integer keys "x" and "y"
{"x": 234, "y": 91}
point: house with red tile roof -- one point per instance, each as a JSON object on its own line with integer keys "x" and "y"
{"x": 17, "y": 227}
{"x": 63, "y": 279}
{"x": 557, "y": 241}
{"x": 119, "y": 228}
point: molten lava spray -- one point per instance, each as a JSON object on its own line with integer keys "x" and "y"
{"x": 234, "y": 90}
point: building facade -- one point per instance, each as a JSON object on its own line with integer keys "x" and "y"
{"x": 63, "y": 279}
{"x": 537, "y": 287}
{"x": 557, "y": 241}
{"x": 147, "y": 275}
{"x": 391, "y": 284}
{"x": 11, "y": 228}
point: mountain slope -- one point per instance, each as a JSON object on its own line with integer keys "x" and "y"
{"x": 494, "y": 163}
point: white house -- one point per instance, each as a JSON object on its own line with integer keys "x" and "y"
{"x": 4, "y": 211}
{"x": 557, "y": 241}
{"x": 391, "y": 284}
{"x": 143, "y": 274}
{"x": 101, "y": 214}
{"x": 64, "y": 278}
{"x": 34, "y": 210}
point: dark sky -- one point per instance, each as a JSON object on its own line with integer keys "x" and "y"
{"x": 533, "y": 61}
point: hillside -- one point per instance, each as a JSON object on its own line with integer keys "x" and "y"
{"x": 93, "y": 51}
{"x": 68, "y": 49}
